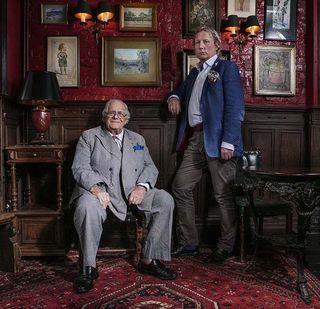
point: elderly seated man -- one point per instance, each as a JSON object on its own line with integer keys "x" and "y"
{"x": 113, "y": 169}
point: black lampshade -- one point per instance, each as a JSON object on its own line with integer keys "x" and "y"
{"x": 83, "y": 11}
{"x": 252, "y": 25}
{"x": 41, "y": 86}
{"x": 104, "y": 12}
{"x": 232, "y": 24}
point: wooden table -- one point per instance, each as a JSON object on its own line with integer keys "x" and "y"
{"x": 301, "y": 186}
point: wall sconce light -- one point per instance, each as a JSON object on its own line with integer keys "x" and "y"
{"x": 242, "y": 32}
{"x": 103, "y": 14}
{"x": 41, "y": 89}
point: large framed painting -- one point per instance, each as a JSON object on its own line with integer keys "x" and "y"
{"x": 63, "y": 59}
{"x": 280, "y": 20}
{"x": 274, "y": 70}
{"x": 138, "y": 17}
{"x": 131, "y": 61}
{"x": 197, "y": 13}
{"x": 242, "y": 8}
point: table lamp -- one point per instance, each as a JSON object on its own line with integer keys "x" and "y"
{"x": 40, "y": 90}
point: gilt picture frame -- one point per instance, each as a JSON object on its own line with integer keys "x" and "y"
{"x": 131, "y": 61}
{"x": 63, "y": 59}
{"x": 241, "y": 8}
{"x": 274, "y": 70}
{"x": 138, "y": 17}
{"x": 199, "y": 13}
{"x": 280, "y": 20}
{"x": 54, "y": 14}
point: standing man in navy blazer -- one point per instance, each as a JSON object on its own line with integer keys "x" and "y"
{"x": 113, "y": 169}
{"x": 211, "y": 103}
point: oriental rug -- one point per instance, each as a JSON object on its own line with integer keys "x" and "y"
{"x": 270, "y": 283}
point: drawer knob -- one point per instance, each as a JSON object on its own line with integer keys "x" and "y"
{"x": 34, "y": 155}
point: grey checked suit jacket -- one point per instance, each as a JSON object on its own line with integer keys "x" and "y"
{"x": 99, "y": 160}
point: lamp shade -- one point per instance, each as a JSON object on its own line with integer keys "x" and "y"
{"x": 83, "y": 11}
{"x": 232, "y": 24}
{"x": 252, "y": 25}
{"x": 40, "y": 86}
{"x": 104, "y": 12}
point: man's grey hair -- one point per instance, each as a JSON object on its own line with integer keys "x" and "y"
{"x": 107, "y": 106}
{"x": 213, "y": 33}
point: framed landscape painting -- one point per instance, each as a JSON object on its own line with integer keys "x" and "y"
{"x": 63, "y": 59}
{"x": 131, "y": 61}
{"x": 274, "y": 70}
{"x": 199, "y": 13}
{"x": 138, "y": 17}
{"x": 54, "y": 13}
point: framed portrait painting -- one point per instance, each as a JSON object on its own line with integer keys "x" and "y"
{"x": 131, "y": 61}
{"x": 54, "y": 13}
{"x": 138, "y": 17}
{"x": 242, "y": 8}
{"x": 274, "y": 70}
{"x": 198, "y": 13}
{"x": 63, "y": 59}
{"x": 280, "y": 20}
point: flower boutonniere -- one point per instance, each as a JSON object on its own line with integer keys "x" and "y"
{"x": 138, "y": 147}
{"x": 213, "y": 76}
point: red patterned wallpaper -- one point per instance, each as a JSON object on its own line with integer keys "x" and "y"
{"x": 170, "y": 32}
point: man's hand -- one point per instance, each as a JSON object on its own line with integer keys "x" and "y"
{"x": 101, "y": 195}
{"x": 226, "y": 154}
{"x": 174, "y": 106}
{"x": 137, "y": 195}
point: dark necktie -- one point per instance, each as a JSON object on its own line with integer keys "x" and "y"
{"x": 117, "y": 141}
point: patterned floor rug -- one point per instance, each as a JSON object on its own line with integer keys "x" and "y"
{"x": 271, "y": 283}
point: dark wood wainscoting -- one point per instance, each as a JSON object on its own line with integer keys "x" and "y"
{"x": 286, "y": 136}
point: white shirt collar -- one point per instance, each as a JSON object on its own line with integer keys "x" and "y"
{"x": 119, "y": 136}
{"x": 208, "y": 62}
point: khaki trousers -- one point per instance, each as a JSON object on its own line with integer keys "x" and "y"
{"x": 195, "y": 162}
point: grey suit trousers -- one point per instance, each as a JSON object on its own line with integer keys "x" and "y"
{"x": 194, "y": 164}
{"x": 89, "y": 217}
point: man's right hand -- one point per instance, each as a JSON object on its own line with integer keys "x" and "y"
{"x": 174, "y": 106}
{"x": 101, "y": 195}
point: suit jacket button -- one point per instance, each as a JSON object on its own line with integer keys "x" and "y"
{"x": 110, "y": 169}
{"x": 135, "y": 169}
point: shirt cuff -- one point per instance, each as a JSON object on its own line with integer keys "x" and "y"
{"x": 145, "y": 185}
{"x": 227, "y": 145}
{"x": 173, "y": 96}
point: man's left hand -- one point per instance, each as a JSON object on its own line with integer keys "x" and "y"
{"x": 137, "y": 195}
{"x": 226, "y": 154}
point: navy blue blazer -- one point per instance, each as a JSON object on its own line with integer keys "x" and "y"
{"x": 221, "y": 107}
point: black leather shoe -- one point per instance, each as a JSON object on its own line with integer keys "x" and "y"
{"x": 186, "y": 250}
{"x": 84, "y": 282}
{"x": 218, "y": 256}
{"x": 157, "y": 269}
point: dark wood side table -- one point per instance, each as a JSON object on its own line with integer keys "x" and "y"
{"x": 301, "y": 186}
{"x": 9, "y": 253}
{"x": 39, "y": 225}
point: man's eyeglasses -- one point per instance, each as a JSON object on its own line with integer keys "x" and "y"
{"x": 112, "y": 114}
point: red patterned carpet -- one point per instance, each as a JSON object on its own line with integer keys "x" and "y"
{"x": 271, "y": 283}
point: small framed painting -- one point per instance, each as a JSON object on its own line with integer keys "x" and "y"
{"x": 63, "y": 59}
{"x": 274, "y": 70}
{"x": 138, "y": 17}
{"x": 131, "y": 61}
{"x": 54, "y": 13}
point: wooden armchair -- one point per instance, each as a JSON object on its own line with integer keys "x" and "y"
{"x": 252, "y": 202}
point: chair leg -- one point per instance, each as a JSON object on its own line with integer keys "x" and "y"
{"x": 139, "y": 239}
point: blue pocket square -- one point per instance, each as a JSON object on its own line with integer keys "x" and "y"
{"x": 138, "y": 147}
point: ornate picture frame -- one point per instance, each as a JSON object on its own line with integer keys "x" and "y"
{"x": 63, "y": 59}
{"x": 198, "y": 13}
{"x": 138, "y": 17}
{"x": 274, "y": 70}
{"x": 131, "y": 61}
{"x": 54, "y": 13}
{"x": 242, "y": 8}
{"x": 280, "y": 20}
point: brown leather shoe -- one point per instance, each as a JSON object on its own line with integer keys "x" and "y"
{"x": 157, "y": 269}
{"x": 84, "y": 282}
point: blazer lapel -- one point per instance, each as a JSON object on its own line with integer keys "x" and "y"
{"x": 109, "y": 144}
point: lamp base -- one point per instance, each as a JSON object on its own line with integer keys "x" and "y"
{"x": 41, "y": 142}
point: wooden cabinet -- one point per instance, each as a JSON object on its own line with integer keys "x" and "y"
{"x": 38, "y": 208}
